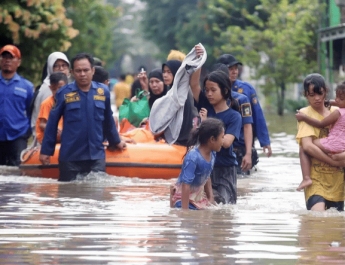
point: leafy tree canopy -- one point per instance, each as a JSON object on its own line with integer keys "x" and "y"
{"x": 38, "y": 28}
{"x": 281, "y": 49}
{"x": 95, "y": 22}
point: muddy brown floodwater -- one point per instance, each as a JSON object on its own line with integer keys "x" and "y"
{"x": 113, "y": 220}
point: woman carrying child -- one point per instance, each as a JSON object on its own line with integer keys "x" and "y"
{"x": 334, "y": 143}
{"x": 193, "y": 189}
{"x": 326, "y": 186}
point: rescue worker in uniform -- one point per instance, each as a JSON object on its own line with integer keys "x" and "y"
{"x": 15, "y": 96}
{"x": 245, "y": 141}
{"x": 259, "y": 123}
{"x": 87, "y": 119}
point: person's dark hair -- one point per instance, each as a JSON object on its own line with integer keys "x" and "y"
{"x": 319, "y": 84}
{"x": 208, "y": 128}
{"x": 224, "y": 83}
{"x": 83, "y": 55}
{"x": 220, "y": 67}
{"x": 123, "y": 77}
{"x": 97, "y": 61}
{"x": 173, "y": 65}
{"x": 340, "y": 88}
{"x": 100, "y": 74}
{"x": 56, "y": 77}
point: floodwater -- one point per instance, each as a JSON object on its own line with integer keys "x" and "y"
{"x": 112, "y": 220}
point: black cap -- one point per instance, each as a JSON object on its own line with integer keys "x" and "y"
{"x": 228, "y": 60}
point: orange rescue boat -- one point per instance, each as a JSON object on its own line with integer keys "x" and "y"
{"x": 146, "y": 159}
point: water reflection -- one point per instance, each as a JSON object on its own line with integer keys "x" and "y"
{"x": 104, "y": 219}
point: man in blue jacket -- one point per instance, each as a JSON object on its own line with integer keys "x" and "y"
{"x": 87, "y": 119}
{"x": 259, "y": 125}
{"x": 15, "y": 97}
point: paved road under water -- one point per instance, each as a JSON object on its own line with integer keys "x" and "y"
{"x": 113, "y": 220}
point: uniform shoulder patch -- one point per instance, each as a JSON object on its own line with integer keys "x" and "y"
{"x": 100, "y": 91}
{"x": 255, "y": 100}
{"x": 246, "y": 110}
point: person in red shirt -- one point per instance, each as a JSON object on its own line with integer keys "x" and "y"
{"x": 57, "y": 80}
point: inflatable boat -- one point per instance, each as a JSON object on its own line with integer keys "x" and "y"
{"x": 145, "y": 159}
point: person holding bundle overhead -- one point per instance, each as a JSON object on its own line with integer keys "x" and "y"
{"x": 174, "y": 115}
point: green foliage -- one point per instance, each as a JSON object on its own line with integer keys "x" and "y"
{"x": 37, "y": 28}
{"x": 162, "y": 21}
{"x": 95, "y": 22}
{"x": 293, "y": 105}
{"x": 281, "y": 49}
{"x": 177, "y": 24}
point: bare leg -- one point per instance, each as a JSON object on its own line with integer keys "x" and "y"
{"x": 319, "y": 145}
{"x": 319, "y": 207}
{"x": 172, "y": 192}
{"x": 305, "y": 166}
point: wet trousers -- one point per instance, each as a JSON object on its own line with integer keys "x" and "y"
{"x": 10, "y": 151}
{"x": 224, "y": 184}
{"x": 69, "y": 170}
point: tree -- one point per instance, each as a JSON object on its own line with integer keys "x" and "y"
{"x": 38, "y": 28}
{"x": 162, "y": 20}
{"x": 281, "y": 49}
{"x": 95, "y": 22}
{"x": 178, "y": 24}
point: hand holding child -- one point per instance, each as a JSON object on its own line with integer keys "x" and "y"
{"x": 300, "y": 116}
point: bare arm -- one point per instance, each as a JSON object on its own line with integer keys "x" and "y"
{"x": 195, "y": 85}
{"x": 248, "y": 141}
{"x": 185, "y": 196}
{"x": 144, "y": 82}
{"x": 195, "y": 78}
{"x": 330, "y": 119}
{"x": 228, "y": 140}
{"x": 315, "y": 152}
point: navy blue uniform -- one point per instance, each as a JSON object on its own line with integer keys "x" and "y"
{"x": 87, "y": 119}
{"x": 259, "y": 126}
{"x": 246, "y": 114}
{"x": 15, "y": 98}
